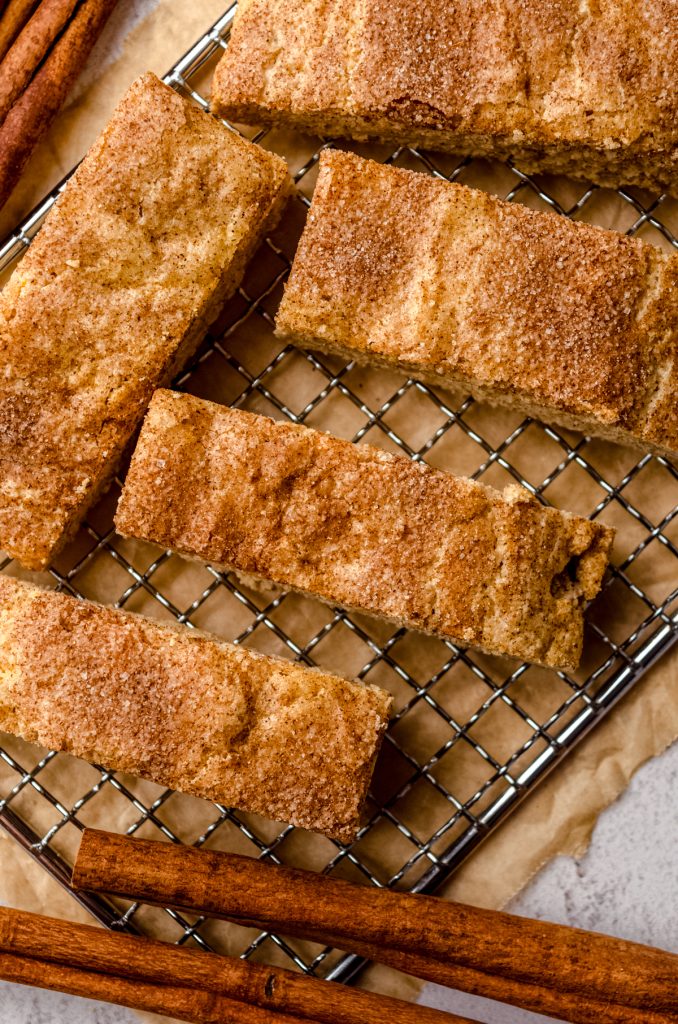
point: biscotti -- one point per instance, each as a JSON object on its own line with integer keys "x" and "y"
{"x": 187, "y": 711}
{"x": 589, "y": 90}
{"x": 149, "y": 238}
{"x": 569, "y": 323}
{"x": 356, "y": 526}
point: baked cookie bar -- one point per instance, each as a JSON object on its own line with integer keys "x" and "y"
{"x": 358, "y": 527}
{"x": 569, "y": 87}
{"x": 150, "y": 236}
{"x": 570, "y": 323}
{"x": 187, "y": 711}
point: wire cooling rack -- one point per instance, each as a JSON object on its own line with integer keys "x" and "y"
{"x": 472, "y": 735}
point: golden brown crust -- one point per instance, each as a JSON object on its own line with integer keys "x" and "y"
{"x": 149, "y": 238}
{"x": 570, "y": 323}
{"x": 186, "y": 711}
{"x": 356, "y": 526}
{"x": 581, "y": 88}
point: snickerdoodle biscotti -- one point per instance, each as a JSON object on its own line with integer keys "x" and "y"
{"x": 187, "y": 711}
{"x": 571, "y": 87}
{"x": 571, "y": 324}
{"x": 356, "y": 526}
{"x": 149, "y": 238}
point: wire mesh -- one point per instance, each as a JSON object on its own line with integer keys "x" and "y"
{"x": 471, "y": 735}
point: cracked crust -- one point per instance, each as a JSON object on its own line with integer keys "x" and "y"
{"x": 150, "y": 237}
{"x": 356, "y": 526}
{"x": 187, "y": 711}
{"x": 570, "y": 323}
{"x": 566, "y": 86}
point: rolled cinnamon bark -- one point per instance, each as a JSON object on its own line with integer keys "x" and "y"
{"x": 34, "y": 112}
{"x": 30, "y": 48}
{"x": 579, "y": 976}
{"x": 13, "y": 17}
{"x": 261, "y": 991}
{"x": 178, "y": 1002}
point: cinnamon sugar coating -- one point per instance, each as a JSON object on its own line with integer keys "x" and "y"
{"x": 566, "y": 86}
{"x": 149, "y": 238}
{"x": 358, "y": 527}
{"x": 570, "y": 323}
{"x": 187, "y": 711}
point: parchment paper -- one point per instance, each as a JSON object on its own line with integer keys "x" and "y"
{"x": 558, "y": 818}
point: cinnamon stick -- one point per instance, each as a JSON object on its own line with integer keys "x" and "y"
{"x": 34, "y": 111}
{"x": 180, "y": 1003}
{"x": 30, "y": 49}
{"x": 136, "y": 959}
{"x": 561, "y": 1005}
{"x": 14, "y": 17}
{"x": 595, "y": 977}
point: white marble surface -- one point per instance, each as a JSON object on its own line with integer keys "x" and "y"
{"x": 626, "y": 885}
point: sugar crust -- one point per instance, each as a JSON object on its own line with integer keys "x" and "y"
{"x": 565, "y": 86}
{"x": 572, "y": 324}
{"x": 358, "y": 527}
{"x": 149, "y": 238}
{"x": 187, "y": 711}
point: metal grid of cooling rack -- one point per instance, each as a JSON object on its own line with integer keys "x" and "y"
{"x": 425, "y": 860}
